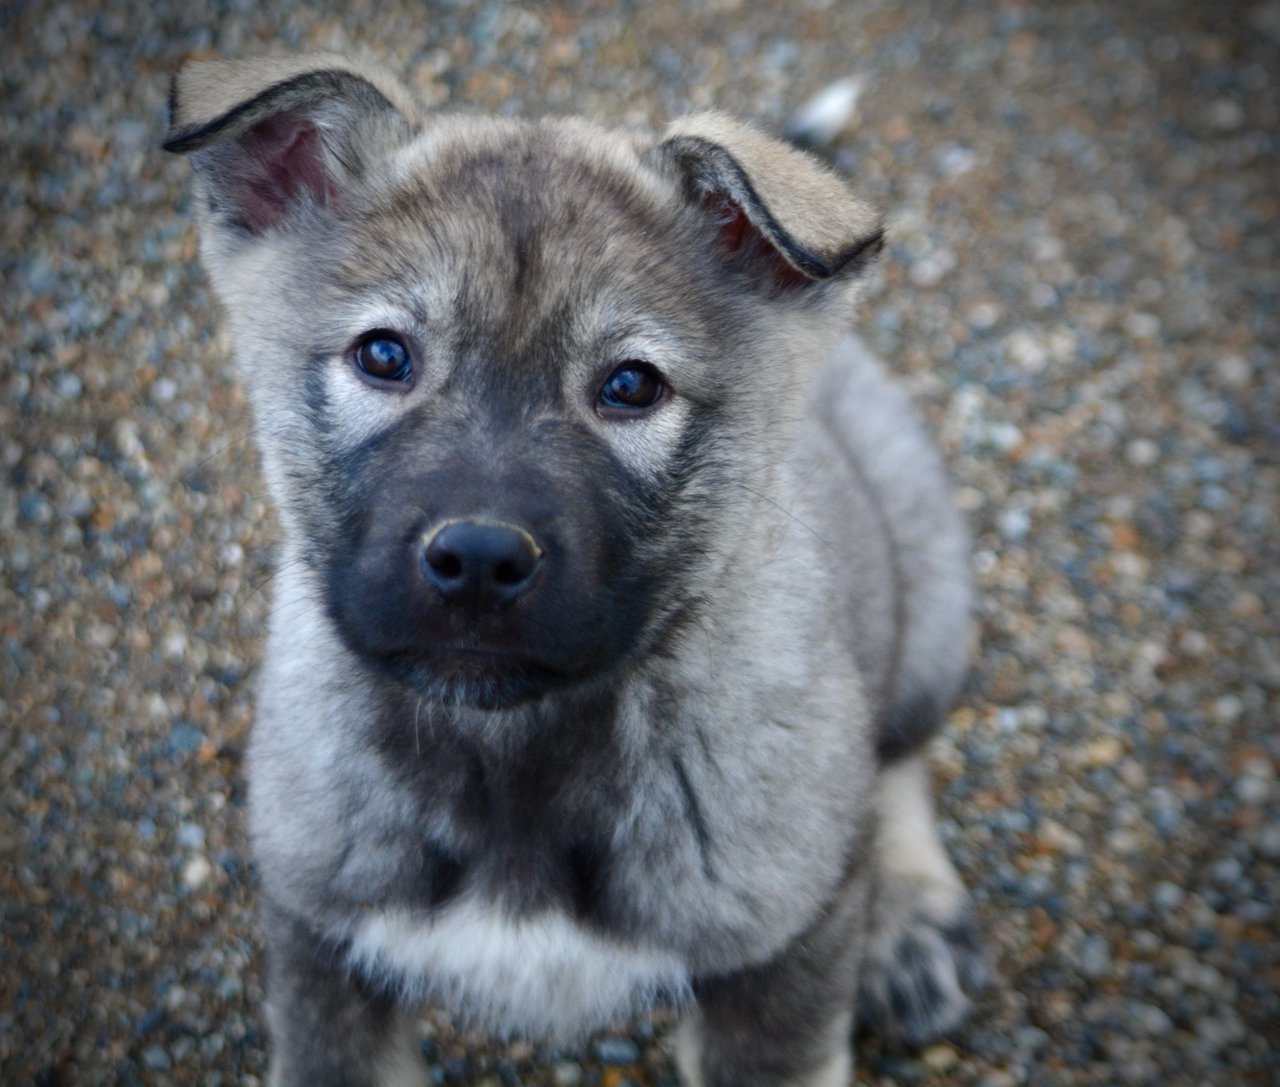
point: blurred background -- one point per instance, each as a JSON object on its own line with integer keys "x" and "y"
{"x": 1080, "y": 289}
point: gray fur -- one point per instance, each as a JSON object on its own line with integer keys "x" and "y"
{"x": 685, "y": 763}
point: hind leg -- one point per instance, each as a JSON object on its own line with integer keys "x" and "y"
{"x": 787, "y": 1022}
{"x": 923, "y": 959}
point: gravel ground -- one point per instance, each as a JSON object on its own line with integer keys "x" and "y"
{"x": 1081, "y": 289}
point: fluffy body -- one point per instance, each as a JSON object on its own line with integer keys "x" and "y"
{"x": 685, "y": 763}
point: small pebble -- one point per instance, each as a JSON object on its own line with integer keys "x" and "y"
{"x": 566, "y": 1074}
{"x": 1254, "y": 790}
{"x": 1142, "y": 452}
{"x": 1095, "y": 957}
{"x": 1167, "y": 896}
{"x": 157, "y": 1058}
{"x": 197, "y": 872}
{"x": 940, "y": 1058}
{"x": 617, "y": 1051}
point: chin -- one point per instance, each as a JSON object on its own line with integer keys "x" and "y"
{"x": 476, "y": 680}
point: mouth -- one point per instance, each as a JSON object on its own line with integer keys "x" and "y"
{"x": 482, "y": 678}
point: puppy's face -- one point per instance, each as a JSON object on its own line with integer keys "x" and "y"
{"x": 518, "y": 386}
{"x": 522, "y": 383}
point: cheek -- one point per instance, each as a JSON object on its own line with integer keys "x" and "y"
{"x": 351, "y": 411}
{"x": 647, "y": 446}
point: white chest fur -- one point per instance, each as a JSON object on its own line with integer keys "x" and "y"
{"x": 541, "y": 976}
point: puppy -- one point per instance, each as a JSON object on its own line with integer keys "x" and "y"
{"x": 619, "y": 590}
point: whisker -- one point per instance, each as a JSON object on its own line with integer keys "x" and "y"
{"x": 789, "y": 515}
{"x": 240, "y": 439}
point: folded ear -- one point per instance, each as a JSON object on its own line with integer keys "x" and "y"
{"x": 777, "y": 207}
{"x": 273, "y": 136}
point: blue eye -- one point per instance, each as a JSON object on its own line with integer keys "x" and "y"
{"x": 633, "y": 386}
{"x": 384, "y": 357}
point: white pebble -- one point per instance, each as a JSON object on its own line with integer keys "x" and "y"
{"x": 197, "y": 872}
{"x": 939, "y": 1058}
{"x": 1233, "y": 371}
{"x": 1026, "y": 350}
{"x": 164, "y": 390}
{"x": 957, "y": 160}
{"x": 1142, "y": 326}
{"x": 175, "y": 646}
{"x": 1221, "y": 1030}
{"x": 1004, "y": 436}
{"x": 1226, "y": 114}
{"x": 1014, "y": 523}
{"x": 930, "y": 270}
{"x": 1167, "y": 896}
{"x": 1095, "y": 957}
{"x": 1142, "y": 452}
{"x": 821, "y": 119}
{"x": 1152, "y": 1020}
{"x": 1048, "y": 247}
{"x": 1227, "y": 710}
{"x": 1253, "y": 791}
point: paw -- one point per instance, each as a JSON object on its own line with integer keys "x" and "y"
{"x": 917, "y": 984}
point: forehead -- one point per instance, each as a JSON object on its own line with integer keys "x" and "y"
{"x": 509, "y": 222}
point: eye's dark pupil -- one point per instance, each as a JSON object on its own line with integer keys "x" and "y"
{"x": 384, "y": 357}
{"x": 631, "y": 387}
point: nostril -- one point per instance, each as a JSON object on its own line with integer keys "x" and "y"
{"x": 447, "y": 565}
{"x": 506, "y": 573}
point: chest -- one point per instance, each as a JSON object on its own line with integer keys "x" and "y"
{"x": 543, "y": 974}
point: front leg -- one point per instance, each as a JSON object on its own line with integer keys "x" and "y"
{"x": 788, "y": 1022}
{"x": 329, "y": 1026}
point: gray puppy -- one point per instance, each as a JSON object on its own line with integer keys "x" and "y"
{"x": 619, "y": 589}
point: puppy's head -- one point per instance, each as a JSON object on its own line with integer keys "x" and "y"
{"x": 520, "y": 387}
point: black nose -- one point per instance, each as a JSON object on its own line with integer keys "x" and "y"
{"x": 484, "y": 565}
